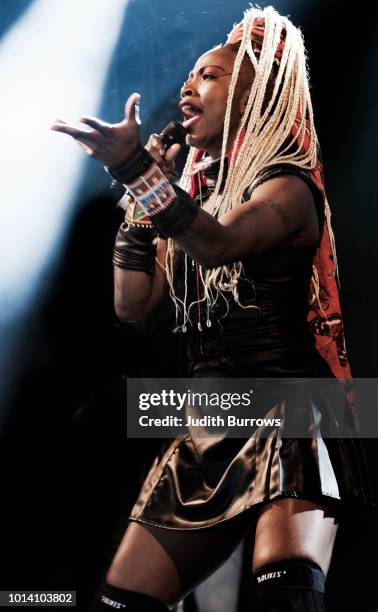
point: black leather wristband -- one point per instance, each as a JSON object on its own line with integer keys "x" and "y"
{"x": 133, "y": 166}
{"x": 134, "y": 249}
{"x": 177, "y": 216}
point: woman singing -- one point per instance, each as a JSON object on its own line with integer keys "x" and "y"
{"x": 245, "y": 248}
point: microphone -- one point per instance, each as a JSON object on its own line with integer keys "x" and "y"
{"x": 174, "y": 132}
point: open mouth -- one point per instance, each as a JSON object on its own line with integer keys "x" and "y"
{"x": 191, "y": 114}
{"x": 189, "y": 111}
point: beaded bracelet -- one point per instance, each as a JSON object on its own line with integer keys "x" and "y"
{"x": 136, "y": 217}
{"x": 152, "y": 190}
{"x": 169, "y": 208}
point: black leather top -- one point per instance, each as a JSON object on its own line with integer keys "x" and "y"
{"x": 273, "y": 338}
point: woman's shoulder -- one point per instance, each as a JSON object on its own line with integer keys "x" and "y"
{"x": 284, "y": 169}
{"x": 279, "y": 170}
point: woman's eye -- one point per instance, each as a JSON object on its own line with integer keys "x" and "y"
{"x": 208, "y": 76}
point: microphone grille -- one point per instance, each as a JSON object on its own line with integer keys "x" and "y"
{"x": 174, "y": 132}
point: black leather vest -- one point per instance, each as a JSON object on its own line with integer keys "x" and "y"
{"x": 271, "y": 336}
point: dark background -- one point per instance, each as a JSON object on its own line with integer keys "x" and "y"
{"x": 69, "y": 476}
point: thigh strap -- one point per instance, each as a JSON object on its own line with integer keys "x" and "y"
{"x": 290, "y": 574}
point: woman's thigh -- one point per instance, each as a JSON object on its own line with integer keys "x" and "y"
{"x": 294, "y": 528}
{"x": 167, "y": 563}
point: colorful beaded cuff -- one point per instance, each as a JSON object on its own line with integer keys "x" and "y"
{"x": 152, "y": 190}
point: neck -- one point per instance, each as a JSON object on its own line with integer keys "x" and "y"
{"x": 215, "y": 151}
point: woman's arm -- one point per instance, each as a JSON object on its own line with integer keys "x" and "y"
{"x": 137, "y": 294}
{"x": 281, "y": 211}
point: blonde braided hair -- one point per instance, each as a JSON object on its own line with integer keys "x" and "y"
{"x": 267, "y": 130}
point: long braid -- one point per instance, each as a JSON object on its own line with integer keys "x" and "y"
{"x": 265, "y": 133}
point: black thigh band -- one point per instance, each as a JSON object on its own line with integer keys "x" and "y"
{"x": 292, "y": 573}
{"x": 113, "y": 598}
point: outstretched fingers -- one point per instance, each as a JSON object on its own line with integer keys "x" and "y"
{"x": 109, "y": 143}
{"x": 96, "y": 124}
{"x": 87, "y": 147}
{"x": 65, "y": 128}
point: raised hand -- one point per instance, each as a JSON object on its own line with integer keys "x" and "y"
{"x": 110, "y": 143}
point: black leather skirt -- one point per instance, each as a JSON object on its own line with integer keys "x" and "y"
{"x": 197, "y": 482}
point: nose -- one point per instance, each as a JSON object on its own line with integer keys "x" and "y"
{"x": 187, "y": 89}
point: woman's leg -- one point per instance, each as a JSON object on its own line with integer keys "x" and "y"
{"x": 142, "y": 564}
{"x": 294, "y": 528}
{"x": 165, "y": 564}
{"x": 292, "y": 553}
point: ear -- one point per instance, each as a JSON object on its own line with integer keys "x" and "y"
{"x": 244, "y": 101}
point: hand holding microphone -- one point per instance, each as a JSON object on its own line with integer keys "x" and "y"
{"x": 165, "y": 147}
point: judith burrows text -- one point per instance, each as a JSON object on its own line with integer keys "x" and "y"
{"x": 207, "y": 421}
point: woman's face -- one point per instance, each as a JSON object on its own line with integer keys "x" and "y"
{"x": 204, "y": 100}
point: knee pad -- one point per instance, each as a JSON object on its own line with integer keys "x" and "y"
{"x": 294, "y": 585}
{"x": 113, "y": 598}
